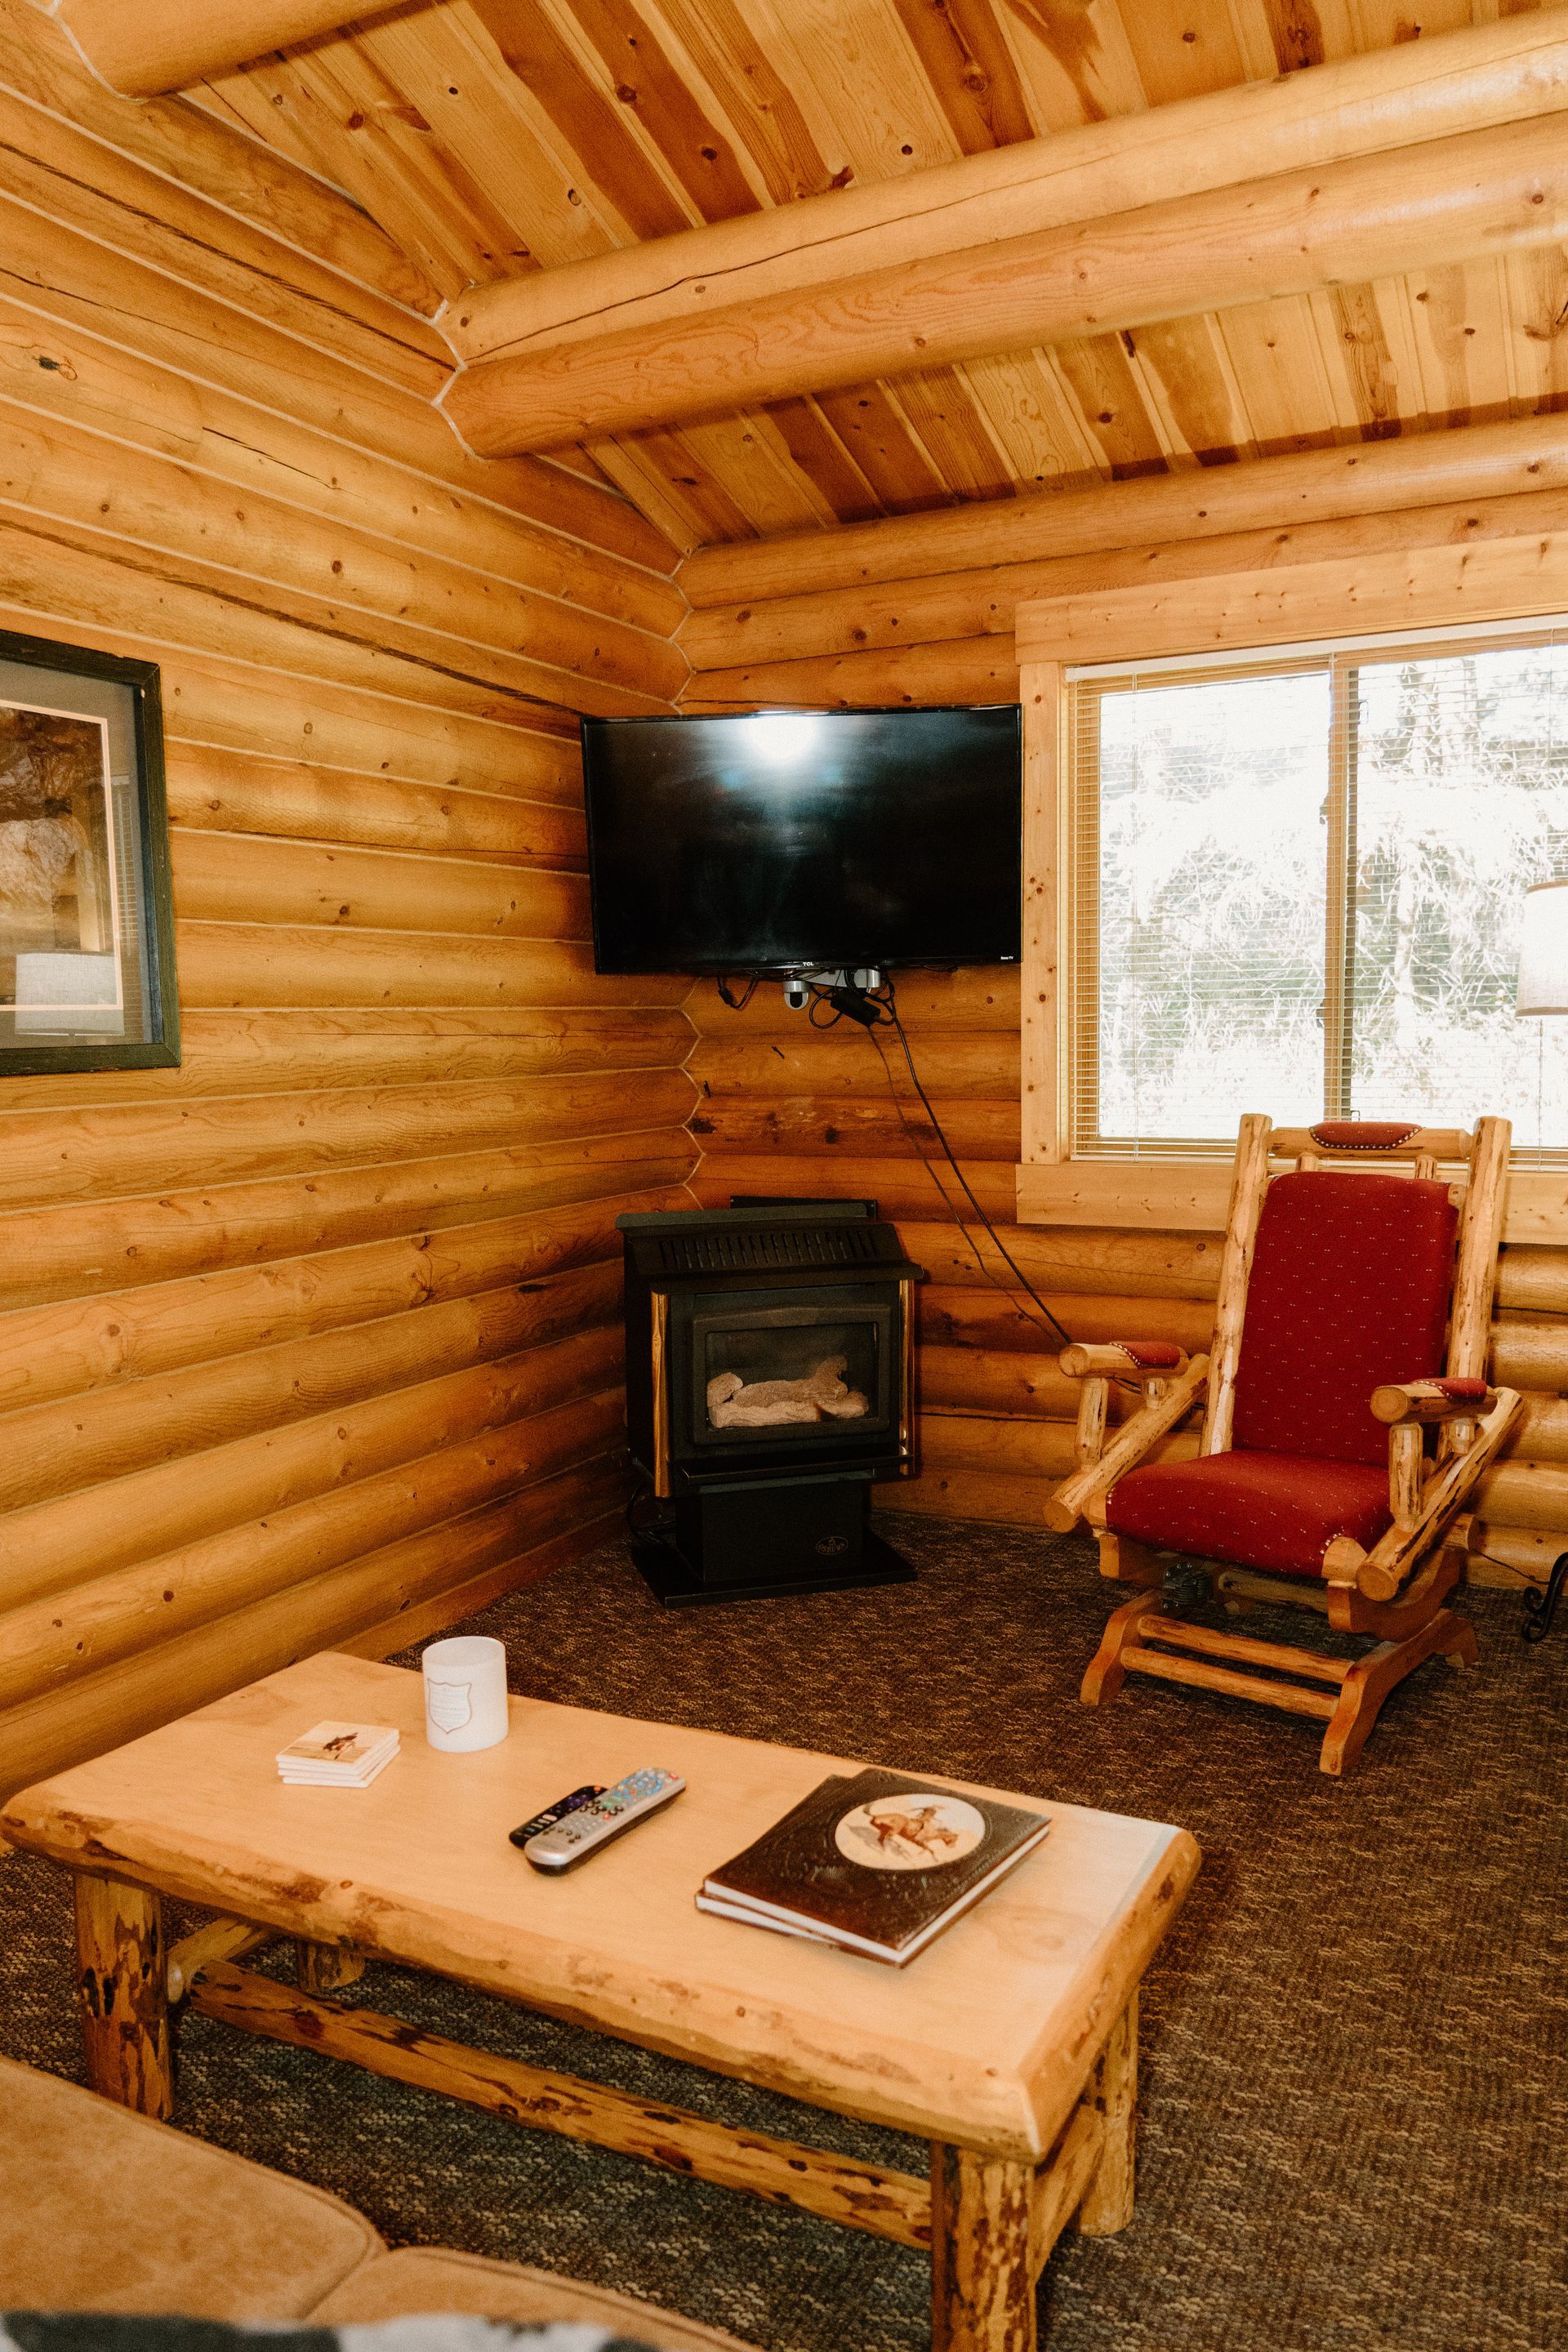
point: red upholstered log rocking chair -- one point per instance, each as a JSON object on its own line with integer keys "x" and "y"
{"x": 1352, "y": 1317}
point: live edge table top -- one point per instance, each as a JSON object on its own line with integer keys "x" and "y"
{"x": 983, "y": 2041}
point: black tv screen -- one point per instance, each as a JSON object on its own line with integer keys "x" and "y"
{"x": 787, "y": 840}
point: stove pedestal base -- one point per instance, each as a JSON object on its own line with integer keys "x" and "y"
{"x": 760, "y": 1541}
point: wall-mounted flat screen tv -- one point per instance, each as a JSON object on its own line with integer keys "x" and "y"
{"x": 787, "y": 841}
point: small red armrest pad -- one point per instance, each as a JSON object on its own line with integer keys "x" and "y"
{"x": 1465, "y": 1391}
{"x": 1151, "y": 1355}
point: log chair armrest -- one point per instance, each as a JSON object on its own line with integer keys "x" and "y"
{"x": 1152, "y": 1363}
{"x": 1093, "y": 1479}
{"x": 1425, "y": 1402}
{"x": 1380, "y": 1572}
{"x": 1124, "y": 1359}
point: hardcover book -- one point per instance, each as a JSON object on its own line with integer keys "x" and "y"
{"x": 876, "y": 1864}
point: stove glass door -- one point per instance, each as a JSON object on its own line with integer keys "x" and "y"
{"x": 801, "y": 1375}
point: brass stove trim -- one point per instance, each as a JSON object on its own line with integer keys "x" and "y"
{"x": 663, "y": 1481}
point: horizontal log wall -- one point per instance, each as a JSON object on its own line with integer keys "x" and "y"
{"x": 316, "y": 1339}
{"x": 786, "y": 1109}
{"x": 923, "y": 609}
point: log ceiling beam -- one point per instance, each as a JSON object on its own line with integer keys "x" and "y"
{"x": 1431, "y": 89}
{"x": 144, "y": 48}
{"x": 784, "y": 597}
{"x": 1455, "y": 200}
{"x": 1344, "y": 173}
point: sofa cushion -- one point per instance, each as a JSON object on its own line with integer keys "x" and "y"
{"x": 1272, "y": 1511}
{"x": 102, "y": 2210}
{"x": 419, "y": 2280}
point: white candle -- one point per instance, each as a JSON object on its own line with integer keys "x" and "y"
{"x": 465, "y": 1694}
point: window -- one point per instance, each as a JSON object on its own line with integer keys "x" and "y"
{"x": 1296, "y": 883}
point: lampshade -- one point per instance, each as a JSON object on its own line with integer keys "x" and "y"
{"x": 1543, "y": 949}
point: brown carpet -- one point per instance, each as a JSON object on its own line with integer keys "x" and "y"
{"x": 1355, "y": 2132}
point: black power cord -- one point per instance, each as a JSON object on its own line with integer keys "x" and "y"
{"x": 887, "y": 996}
{"x": 1541, "y": 1607}
{"x": 875, "y": 1009}
{"x": 659, "y": 1529}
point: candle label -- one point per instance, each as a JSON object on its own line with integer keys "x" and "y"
{"x": 447, "y": 1704}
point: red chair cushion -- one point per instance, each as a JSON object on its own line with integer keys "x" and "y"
{"x": 1350, "y": 1288}
{"x": 1272, "y": 1511}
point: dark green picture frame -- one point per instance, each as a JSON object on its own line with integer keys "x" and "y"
{"x": 162, "y": 1050}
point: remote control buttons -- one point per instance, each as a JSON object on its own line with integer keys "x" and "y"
{"x": 572, "y": 1839}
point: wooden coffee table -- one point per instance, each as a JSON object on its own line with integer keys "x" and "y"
{"x": 1010, "y": 2044}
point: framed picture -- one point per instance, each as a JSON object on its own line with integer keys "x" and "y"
{"x": 87, "y": 931}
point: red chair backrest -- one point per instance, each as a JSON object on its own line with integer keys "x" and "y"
{"x": 1351, "y": 1282}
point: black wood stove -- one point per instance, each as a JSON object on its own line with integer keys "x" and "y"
{"x": 768, "y": 1363}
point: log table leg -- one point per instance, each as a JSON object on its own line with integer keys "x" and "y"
{"x": 982, "y": 2284}
{"x": 122, "y": 1987}
{"x": 1106, "y": 2204}
{"x": 323, "y": 1968}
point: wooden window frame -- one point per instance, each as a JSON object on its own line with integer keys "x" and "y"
{"x": 1227, "y": 616}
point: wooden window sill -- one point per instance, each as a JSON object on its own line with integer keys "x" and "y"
{"x": 1190, "y": 1196}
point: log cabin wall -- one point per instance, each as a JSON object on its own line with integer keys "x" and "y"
{"x": 787, "y": 1110}
{"x": 315, "y": 1338}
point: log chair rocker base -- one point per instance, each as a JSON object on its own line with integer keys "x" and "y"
{"x": 1344, "y": 1311}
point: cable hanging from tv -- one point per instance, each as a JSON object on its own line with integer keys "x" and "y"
{"x": 870, "y": 998}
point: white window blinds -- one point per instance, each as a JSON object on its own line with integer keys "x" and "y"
{"x": 1296, "y": 883}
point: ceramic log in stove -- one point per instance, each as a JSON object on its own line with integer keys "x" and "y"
{"x": 768, "y": 1362}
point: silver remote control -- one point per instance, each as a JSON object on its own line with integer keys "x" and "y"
{"x": 582, "y": 1832}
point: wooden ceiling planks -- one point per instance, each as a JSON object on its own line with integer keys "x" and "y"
{"x": 492, "y": 137}
{"x": 1537, "y": 312}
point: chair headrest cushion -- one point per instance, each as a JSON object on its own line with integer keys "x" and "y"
{"x": 1363, "y": 1134}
